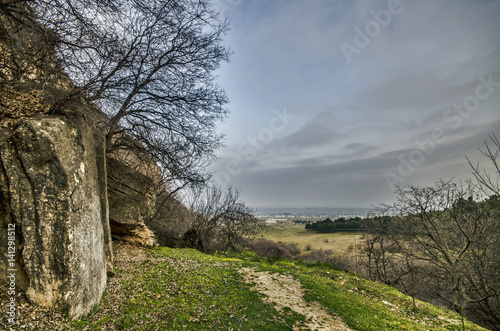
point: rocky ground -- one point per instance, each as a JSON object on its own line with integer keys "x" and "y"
{"x": 32, "y": 317}
{"x": 29, "y": 317}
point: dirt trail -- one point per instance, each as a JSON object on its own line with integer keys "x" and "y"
{"x": 284, "y": 291}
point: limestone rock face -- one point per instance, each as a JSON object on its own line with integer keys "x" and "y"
{"x": 132, "y": 199}
{"x": 50, "y": 190}
{"x": 100, "y": 147}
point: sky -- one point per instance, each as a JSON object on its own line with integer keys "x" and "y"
{"x": 333, "y": 103}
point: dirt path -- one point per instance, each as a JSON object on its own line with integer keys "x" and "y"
{"x": 284, "y": 291}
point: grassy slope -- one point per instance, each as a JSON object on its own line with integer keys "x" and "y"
{"x": 176, "y": 289}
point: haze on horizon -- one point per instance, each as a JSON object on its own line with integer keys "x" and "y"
{"x": 334, "y": 102}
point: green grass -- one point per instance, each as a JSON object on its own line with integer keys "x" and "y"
{"x": 365, "y": 305}
{"x": 182, "y": 289}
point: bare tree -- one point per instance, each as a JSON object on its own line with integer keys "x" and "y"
{"x": 484, "y": 279}
{"x": 149, "y": 65}
{"x": 26, "y": 48}
{"x": 445, "y": 238}
{"x": 487, "y": 181}
{"x": 448, "y": 229}
{"x": 31, "y": 78}
{"x": 379, "y": 246}
{"x": 220, "y": 219}
{"x": 237, "y": 223}
{"x": 389, "y": 251}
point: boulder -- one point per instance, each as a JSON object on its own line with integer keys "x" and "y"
{"x": 132, "y": 200}
{"x": 51, "y": 191}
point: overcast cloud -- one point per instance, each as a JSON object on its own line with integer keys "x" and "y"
{"x": 322, "y": 115}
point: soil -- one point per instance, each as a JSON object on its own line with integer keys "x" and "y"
{"x": 284, "y": 291}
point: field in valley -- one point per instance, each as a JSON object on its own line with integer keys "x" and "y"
{"x": 340, "y": 242}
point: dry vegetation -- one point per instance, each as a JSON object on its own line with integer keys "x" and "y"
{"x": 340, "y": 243}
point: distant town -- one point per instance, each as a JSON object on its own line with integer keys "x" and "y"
{"x": 307, "y": 215}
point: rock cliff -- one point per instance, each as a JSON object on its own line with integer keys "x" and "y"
{"x": 54, "y": 186}
{"x": 132, "y": 199}
{"x": 52, "y": 189}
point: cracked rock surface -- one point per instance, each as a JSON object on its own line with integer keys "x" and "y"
{"x": 51, "y": 192}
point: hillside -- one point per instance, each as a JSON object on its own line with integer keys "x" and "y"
{"x": 175, "y": 289}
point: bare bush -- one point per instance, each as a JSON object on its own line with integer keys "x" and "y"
{"x": 441, "y": 245}
{"x": 267, "y": 249}
{"x": 171, "y": 220}
{"x": 271, "y": 250}
{"x": 342, "y": 262}
{"x": 220, "y": 219}
{"x": 315, "y": 256}
{"x": 292, "y": 248}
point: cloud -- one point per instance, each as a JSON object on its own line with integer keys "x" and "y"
{"x": 357, "y": 119}
{"x": 336, "y": 181}
{"x": 317, "y": 132}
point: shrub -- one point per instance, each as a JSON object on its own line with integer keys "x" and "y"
{"x": 342, "y": 262}
{"x": 271, "y": 250}
{"x": 315, "y": 256}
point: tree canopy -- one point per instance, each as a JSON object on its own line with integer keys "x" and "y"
{"x": 148, "y": 64}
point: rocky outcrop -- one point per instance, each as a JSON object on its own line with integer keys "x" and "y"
{"x": 54, "y": 191}
{"x": 103, "y": 198}
{"x": 132, "y": 199}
